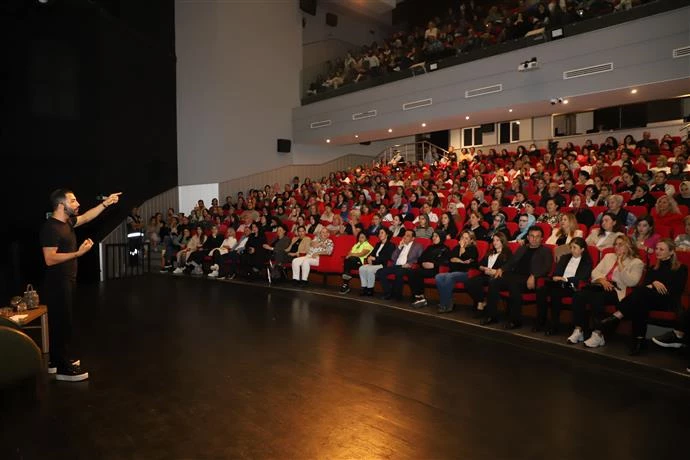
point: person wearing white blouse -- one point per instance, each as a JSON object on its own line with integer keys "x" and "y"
{"x": 571, "y": 269}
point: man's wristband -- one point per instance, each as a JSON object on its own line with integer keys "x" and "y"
{"x": 104, "y": 206}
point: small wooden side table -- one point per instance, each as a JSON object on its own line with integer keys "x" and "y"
{"x": 32, "y": 315}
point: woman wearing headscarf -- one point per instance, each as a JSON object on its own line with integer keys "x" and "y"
{"x": 525, "y": 221}
{"x": 498, "y": 226}
{"x": 683, "y": 198}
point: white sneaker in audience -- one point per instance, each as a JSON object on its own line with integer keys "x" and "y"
{"x": 214, "y": 267}
{"x": 595, "y": 340}
{"x": 213, "y": 274}
{"x": 577, "y": 336}
{"x": 178, "y": 271}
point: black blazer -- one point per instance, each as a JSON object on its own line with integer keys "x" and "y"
{"x": 500, "y": 261}
{"x": 540, "y": 265}
{"x": 385, "y": 254}
{"x": 583, "y": 272}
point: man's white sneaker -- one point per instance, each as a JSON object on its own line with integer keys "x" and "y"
{"x": 213, "y": 274}
{"x": 595, "y": 340}
{"x": 577, "y": 336}
{"x": 178, "y": 271}
{"x": 214, "y": 267}
{"x": 52, "y": 368}
{"x": 71, "y": 374}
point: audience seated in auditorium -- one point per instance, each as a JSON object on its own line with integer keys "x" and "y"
{"x": 571, "y": 270}
{"x": 377, "y": 259}
{"x": 301, "y": 266}
{"x": 423, "y": 229}
{"x": 355, "y": 259}
{"x": 605, "y": 236}
{"x": 616, "y": 272}
{"x": 404, "y": 259}
{"x": 427, "y": 266}
{"x": 661, "y": 290}
{"x": 644, "y": 237}
{"x": 365, "y": 202}
{"x": 666, "y": 212}
{"x": 217, "y": 254}
{"x": 462, "y": 258}
{"x": 682, "y": 240}
{"x": 520, "y": 274}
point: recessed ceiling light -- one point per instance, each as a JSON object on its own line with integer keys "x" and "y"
{"x": 356, "y": 136}
{"x": 467, "y": 117}
{"x": 634, "y": 91}
{"x": 390, "y": 130}
{"x": 423, "y": 125}
{"x": 328, "y": 141}
{"x": 510, "y": 110}
{"x": 565, "y": 101}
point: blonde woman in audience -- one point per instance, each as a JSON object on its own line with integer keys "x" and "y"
{"x": 566, "y": 232}
{"x": 605, "y": 236}
{"x": 615, "y": 273}
{"x": 322, "y": 245}
{"x": 666, "y": 212}
{"x": 336, "y": 227}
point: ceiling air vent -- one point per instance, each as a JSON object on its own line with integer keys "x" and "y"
{"x": 320, "y": 124}
{"x": 586, "y": 71}
{"x": 363, "y": 115}
{"x": 681, "y": 52}
{"x": 482, "y": 91}
{"x": 417, "y": 104}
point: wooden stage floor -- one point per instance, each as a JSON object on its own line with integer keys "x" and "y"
{"x": 184, "y": 368}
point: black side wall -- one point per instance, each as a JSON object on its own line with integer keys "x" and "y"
{"x": 87, "y": 101}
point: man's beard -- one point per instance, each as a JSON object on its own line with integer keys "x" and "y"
{"x": 71, "y": 212}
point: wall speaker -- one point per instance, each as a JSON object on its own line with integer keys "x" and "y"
{"x": 284, "y": 145}
{"x": 331, "y": 19}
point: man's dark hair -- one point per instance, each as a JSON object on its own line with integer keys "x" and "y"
{"x": 536, "y": 228}
{"x": 409, "y": 230}
{"x": 58, "y": 197}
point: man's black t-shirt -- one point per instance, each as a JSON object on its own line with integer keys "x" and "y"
{"x": 57, "y": 234}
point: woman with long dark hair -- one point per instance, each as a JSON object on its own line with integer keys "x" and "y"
{"x": 497, "y": 255}
{"x": 571, "y": 269}
{"x": 462, "y": 258}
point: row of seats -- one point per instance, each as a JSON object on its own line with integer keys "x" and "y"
{"x": 333, "y": 265}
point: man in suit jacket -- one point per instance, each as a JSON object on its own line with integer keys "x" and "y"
{"x": 529, "y": 263}
{"x": 404, "y": 258}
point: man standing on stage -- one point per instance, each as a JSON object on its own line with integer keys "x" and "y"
{"x": 60, "y": 253}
